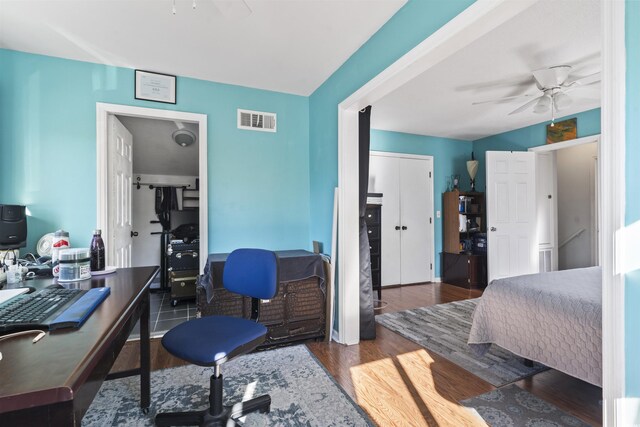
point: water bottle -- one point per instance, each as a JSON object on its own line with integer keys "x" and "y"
{"x": 60, "y": 241}
{"x": 97, "y": 251}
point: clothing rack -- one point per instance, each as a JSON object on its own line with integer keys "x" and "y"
{"x": 139, "y": 184}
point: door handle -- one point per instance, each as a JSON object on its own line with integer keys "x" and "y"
{"x": 134, "y": 234}
{"x": 397, "y": 227}
{"x": 404, "y": 227}
{"x": 493, "y": 229}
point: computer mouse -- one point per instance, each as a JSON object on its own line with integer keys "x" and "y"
{"x": 54, "y": 286}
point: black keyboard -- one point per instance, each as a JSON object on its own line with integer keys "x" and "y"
{"x": 36, "y": 309}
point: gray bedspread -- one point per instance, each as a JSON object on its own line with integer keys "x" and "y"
{"x": 553, "y": 318}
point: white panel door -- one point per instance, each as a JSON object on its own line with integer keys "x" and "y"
{"x": 384, "y": 178}
{"x": 146, "y": 247}
{"x": 415, "y": 213}
{"x": 511, "y": 214}
{"x": 546, "y": 189}
{"x": 120, "y": 178}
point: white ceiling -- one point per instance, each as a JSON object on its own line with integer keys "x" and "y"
{"x": 289, "y": 46}
{"x": 439, "y": 102}
{"x": 155, "y": 152}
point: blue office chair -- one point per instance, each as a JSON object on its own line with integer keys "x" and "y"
{"x": 212, "y": 340}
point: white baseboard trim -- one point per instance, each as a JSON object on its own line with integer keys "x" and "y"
{"x": 437, "y": 280}
{"x": 335, "y": 336}
{"x": 628, "y": 412}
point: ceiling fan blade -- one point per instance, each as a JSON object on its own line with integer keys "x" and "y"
{"x": 526, "y": 106}
{"x": 232, "y": 9}
{"x": 585, "y": 81}
{"x": 508, "y": 98}
{"x": 567, "y": 89}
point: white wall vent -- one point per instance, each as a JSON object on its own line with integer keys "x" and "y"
{"x": 256, "y": 120}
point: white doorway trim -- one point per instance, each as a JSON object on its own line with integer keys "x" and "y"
{"x": 566, "y": 144}
{"x": 475, "y": 21}
{"x": 595, "y": 238}
{"x": 431, "y": 200}
{"x": 102, "y": 113}
{"x": 612, "y": 210}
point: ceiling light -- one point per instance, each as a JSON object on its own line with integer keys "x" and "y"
{"x": 561, "y": 100}
{"x": 183, "y": 137}
{"x": 543, "y": 104}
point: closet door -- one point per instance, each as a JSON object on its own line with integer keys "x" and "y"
{"x": 415, "y": 201}
{"x": 384, "y": 178}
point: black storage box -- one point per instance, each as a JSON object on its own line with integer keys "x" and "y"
{"x": 183, "y": 285}
{"x": 183, "y": 256}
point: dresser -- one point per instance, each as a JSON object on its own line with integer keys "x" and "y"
{"x": 373, "y": 218}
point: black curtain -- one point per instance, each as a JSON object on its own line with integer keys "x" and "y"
{"x": 367, "y": 316}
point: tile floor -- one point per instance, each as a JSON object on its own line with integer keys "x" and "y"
{"x": 163, "y": 316}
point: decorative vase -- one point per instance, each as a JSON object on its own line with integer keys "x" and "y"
{"x": 472, "y": 168}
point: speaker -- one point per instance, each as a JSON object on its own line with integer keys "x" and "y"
{"x": 13, "y": 227}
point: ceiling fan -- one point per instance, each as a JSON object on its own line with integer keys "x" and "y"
{"x": 554, "y": 84}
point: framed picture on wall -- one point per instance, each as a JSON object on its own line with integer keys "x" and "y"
{"x": 156, "y": 87}
{"x": 562, "y": 131}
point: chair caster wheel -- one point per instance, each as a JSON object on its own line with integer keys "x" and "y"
{"x": 174, "y": 303}
{"x": 145, "y": 411}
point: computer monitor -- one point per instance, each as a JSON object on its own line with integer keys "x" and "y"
{"x": 13, "y": 227}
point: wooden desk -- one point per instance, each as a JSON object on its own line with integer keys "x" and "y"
{"x": 53, "y": 381}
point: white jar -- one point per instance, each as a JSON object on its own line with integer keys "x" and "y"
{"x": 75, "y": 264}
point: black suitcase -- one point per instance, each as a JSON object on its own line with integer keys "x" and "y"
{"x": 183, "y": 285}
{"x": 183, "y": 256}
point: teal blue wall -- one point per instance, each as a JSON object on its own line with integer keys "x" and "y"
{"x": 449, "y": 158}
{"x": 632, "y": 279}
{"x": 258, "y": 181}
{"x": 527, "y": 137}
{"x": 413, "y": 23}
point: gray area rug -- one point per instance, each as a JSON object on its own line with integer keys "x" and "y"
{"x": 513, "y": 407}
{"x": 302, "y": 392}
{"x": 444, "y": 329}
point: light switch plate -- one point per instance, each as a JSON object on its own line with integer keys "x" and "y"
{"x": 437, "y": 214}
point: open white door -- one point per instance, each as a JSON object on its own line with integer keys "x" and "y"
{"x": 120, "y": 180}
{"x": 512, "y": 245}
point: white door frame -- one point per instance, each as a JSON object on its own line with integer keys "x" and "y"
{"x": 559, "y": 146}
{"x": 474, "y": 22}
{"x": 431, "y": 201}
{"x": 102, "y": 113}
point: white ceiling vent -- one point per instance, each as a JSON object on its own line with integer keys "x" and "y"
{"x": 256, "y": 120}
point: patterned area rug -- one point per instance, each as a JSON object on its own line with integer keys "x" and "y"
{"x": 444, "y": 329}
{"x": 513, "y": 407}
{"x": 302, "y": 392}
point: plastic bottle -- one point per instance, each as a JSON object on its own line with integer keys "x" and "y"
{"x": 97, "y": 251}
{"x": 60, "y": 241}
{"x": 14, "y": 275}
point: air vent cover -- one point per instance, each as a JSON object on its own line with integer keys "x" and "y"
{"x": 256, "y": 120}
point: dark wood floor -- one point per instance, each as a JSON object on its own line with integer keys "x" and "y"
{"x": 397, "y": 382}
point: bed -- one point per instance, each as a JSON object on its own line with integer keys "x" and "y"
{"x": 553, "y": 318}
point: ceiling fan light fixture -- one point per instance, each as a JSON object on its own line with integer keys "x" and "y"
{"x": 543, "y": 104}
{"x": 561, "y": 100}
